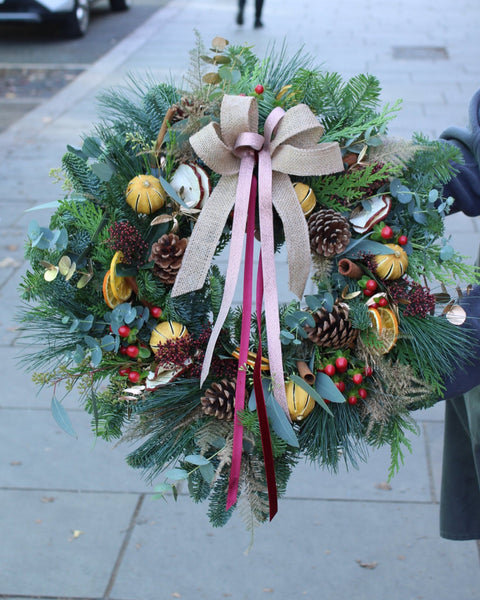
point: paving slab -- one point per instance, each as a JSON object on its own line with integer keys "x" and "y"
{"x": 312, "y": 549}
{"x": 40, "y": 455}
{"x": 61, "y": 544}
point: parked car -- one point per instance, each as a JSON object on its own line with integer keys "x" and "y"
{"x": 73, "y": 15}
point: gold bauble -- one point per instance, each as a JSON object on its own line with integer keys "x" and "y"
{"x": 145, "y": 194}
{"x": 391, "y": 266}
{"x": 306, "y": 197}
{"x": 300, "y": 404}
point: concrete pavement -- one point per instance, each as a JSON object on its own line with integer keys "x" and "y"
{"x": 75, "y": 521}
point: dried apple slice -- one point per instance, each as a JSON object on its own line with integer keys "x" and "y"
{"x": 373, "y": 211}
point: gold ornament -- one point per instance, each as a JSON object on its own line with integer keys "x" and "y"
{"x": 300, "y": 404}
{"x": 391, "y": 266}
{"x": 145, "y": 194}
{"x": 306, "y": 197}
{"x": 164, "y": 331}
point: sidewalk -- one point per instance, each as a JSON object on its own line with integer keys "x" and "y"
{"x": 75, "y": 521}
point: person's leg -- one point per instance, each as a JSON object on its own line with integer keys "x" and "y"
{"x": 460, "y": 494}
{"x": 258, "y": 13}
{"x": 241, "y": 7}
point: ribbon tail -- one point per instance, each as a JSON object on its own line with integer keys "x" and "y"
{"x": 234, "y": 258}
{"x": 243, "y": 353}
{"x": 261, "y": 406}
{"x": 204, "y": 239}
{"x": 296, "y": 232}
{"x": 272, "y": 316}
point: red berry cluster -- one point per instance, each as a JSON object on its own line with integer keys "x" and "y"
{"x": 127, "y": 239}
{"x": 349, "y": 380}
{"x": 416, "y": 299}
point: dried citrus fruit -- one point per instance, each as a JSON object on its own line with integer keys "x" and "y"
{"x": 108, "y": 296}
{"x": 121, "y": 288}
{"x": 385, "y": 322}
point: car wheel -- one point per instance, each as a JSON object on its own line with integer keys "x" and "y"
{"x": 119, "y": 5}
{"x": 78, "y": 20}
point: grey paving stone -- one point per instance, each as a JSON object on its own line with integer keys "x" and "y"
{"x": 37, "y": 454}
{"x": 312, "y": 549}
{"x": 61, "y": 544}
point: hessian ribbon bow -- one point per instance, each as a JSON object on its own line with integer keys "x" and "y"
{"x": 289, "y": 146}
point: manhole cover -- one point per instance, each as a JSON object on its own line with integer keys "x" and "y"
{"x": 420, "y": 52}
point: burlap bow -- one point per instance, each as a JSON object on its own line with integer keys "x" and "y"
{"x": 294, "y": 150}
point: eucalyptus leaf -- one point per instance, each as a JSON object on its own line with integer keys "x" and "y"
{"x": 433, "y": 196}
{"x": 61, "y": 417}
{"x": 365, "y": 246}
{"x": 297, "y": 380}
{"x": 92, "y": 147}
{"x": 446, "y": 253}
{"x": 77, "y": 152}
{"x": 86, "y": 323}
{"x": 123, "y": 270}
{"x": 162, "y": 488}
{"x": 79, "y": 354}
{"x": 197, "y": 459}
{"x": 108, "y": 343}
{"x": 420, "y": 217}
{"x": 278, "y": 419}
{"x": 96, "y": 356}
{"x": 52, "y": 204}
{"x": 172, "y": 192}
{"x": 143, "y": 352}
{"x": 176, "y": 474}
{"x": 207, "y": 472}
{"x": 74, "y": 325}
{"x": 64, "y": 264}
{"x": 325, "y": 386}
{"x": 104, "y": 171}
{"x": 314, "y": 303}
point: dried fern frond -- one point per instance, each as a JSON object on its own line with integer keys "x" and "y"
{"x": 396, "y": 152}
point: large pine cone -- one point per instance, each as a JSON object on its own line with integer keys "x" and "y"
{"x": 167, "y": 253}
{"x": 332, "y": 329}
{"x": 219, "y": 400}
{"x": 329, "y": 232}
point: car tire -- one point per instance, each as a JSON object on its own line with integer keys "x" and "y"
{"x": 119, "y": 5}
{"x": 78, "y": 20}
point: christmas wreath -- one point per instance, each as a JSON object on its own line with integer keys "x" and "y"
{"x": 125, "y": 300}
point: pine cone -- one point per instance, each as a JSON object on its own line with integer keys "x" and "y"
{"x": 329, "y": 232}
{"x": 333, "y": 329}
{"x": 219, "y": 400}
{"x": 167, "y": 253}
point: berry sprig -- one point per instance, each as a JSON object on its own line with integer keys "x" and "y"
{"x": 350, "y": 377}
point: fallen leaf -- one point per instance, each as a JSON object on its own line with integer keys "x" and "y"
{"x": 47, "y": 499}
{"x": 400, "y": 557}
{"x": 38, "y": 521}
{"x": 176, "y": 595}
{"x": 77, "y": 533}
{"x": 8, "y": 261}
{"x": 383, "y": 486}
{"x": 12, "y": 247}
{"x": 268, "y": 590}
{"x": 365, "y": 565}
{"x": 15, "y": 463}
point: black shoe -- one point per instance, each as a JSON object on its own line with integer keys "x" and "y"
{"x": 258, "y": 24}
{"x": 240, "y": 18}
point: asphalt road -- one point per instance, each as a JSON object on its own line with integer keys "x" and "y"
{"x": 38, "y": 60}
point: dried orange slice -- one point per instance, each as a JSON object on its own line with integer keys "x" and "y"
{"x": 385, "y": 322}
{"x": 121, "y": 288}
{"x": 108, "y": 295}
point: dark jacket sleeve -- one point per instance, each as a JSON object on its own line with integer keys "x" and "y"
{"x": 465, "y": 187}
